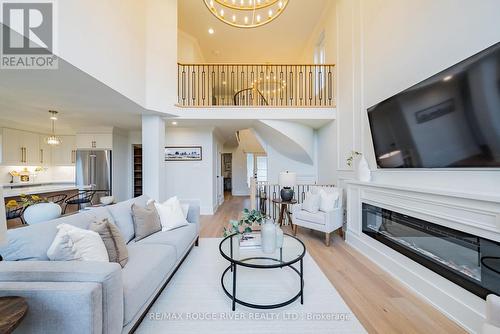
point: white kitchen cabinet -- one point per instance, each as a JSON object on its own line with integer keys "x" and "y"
{"x": 12, "y": 147}
{"x": 65, "y": 153}
{"x": 90, "y": 141}
{"x": 31, "y": 144}
{"x": 20, "y": 147}
{"x": 45, "y": 155}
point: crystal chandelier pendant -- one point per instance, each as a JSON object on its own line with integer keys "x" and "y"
{"x": 246, "y": 13}
{"x": 53, "y": 139}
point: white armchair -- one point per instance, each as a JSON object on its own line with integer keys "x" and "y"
{"x": 326, "y": 222}
{"x": 492, "y": 325}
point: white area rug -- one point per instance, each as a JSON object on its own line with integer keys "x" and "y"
{"x": 194, "y": 302}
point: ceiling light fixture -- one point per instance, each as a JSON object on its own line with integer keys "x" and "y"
{"x": 174, "y": 123}
{"x": 448, "y": 78}
{"x": 246, "y": 14}
{"x": 211, "y": 31}
{"x": 53, "y": 139}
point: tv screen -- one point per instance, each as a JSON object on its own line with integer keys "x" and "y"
{"x": 449, "y": 120}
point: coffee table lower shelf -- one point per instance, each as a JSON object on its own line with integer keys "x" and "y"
{"x": 233, "y": 269}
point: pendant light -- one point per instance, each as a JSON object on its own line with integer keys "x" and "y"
{"x": 53, "y": 139}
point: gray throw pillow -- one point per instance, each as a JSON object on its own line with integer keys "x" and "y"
{"x": 113, "y": 240}
{"x": 146, "y": 220}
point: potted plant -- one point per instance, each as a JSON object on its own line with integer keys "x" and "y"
{"x": 363, "y": 170}
{"x": 245, "y": 223}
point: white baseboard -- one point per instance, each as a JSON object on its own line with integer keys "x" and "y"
{"x": 458, "y": 304}
{"x": 206, "y": 210}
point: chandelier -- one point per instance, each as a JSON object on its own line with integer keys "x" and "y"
{"x": 246, "y": 13}
{"x": 53, "y": 139}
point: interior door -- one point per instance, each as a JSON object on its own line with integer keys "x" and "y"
{"x": 220, "y": 179}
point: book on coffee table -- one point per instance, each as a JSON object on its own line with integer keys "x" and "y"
{"x": 251, "y": 240}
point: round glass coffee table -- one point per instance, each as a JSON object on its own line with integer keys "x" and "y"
{"x": 292, "y": 252}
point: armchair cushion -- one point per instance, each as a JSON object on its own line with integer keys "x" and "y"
{"x": 329, "y": 200}
{"x": 315, "y": 218}
{"x": 312, "y": 202}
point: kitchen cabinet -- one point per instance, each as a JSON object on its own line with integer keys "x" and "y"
{"x": 20, "y": 147}
{"x": 64, "y": 154}
{"x": 88, "y": 141}
{"x": 45, "y": 155}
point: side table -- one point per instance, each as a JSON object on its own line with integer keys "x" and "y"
{"x": 12, "y": 311}
{"x": 284, "y": 210}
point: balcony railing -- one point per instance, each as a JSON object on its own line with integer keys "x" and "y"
{"x": 254, "y": 85}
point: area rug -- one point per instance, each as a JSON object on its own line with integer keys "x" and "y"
{"x": 194, "y": 302}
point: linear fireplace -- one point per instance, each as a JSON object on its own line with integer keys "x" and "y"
{"x": 470, "y": 261}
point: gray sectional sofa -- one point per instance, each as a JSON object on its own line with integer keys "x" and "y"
{"x": 91, "y": 297}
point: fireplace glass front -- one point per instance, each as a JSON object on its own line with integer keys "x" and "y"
{"x": 470, "y": 261}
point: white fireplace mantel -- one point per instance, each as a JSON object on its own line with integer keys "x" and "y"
{"x": 474, "y": 213}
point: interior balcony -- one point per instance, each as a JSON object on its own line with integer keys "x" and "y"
{"x": 256, "y": 91}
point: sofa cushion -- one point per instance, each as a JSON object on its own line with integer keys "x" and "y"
{"x": 315, "y": 218}
{"x": 32, "y": 242}
{"x": 113, "y": 240}
{"x": 122, "y": 215}
{"x": 146, "y": 220}
{"x": 147, "y": 267}
{"x": 180, "y": 238}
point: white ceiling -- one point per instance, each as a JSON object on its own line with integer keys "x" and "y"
{"x": 82, "y": 101}
{"x": 226, "y": 128}
{"x": 281, "y": 41}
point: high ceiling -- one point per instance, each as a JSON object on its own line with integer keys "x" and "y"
{"x": 82, "y": 101}
{"x": 281, "y": 41}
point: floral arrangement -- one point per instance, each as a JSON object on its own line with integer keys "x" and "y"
{"x": 244, "y": 225}
{"x": 25, "y": 200}
{"x": 350, "y": 159}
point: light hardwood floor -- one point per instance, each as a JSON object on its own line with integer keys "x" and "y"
{"x": 380, "y": 302}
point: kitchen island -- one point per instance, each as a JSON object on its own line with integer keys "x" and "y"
{"x": 17, "y": 189}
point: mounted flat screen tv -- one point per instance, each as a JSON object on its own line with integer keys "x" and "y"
{"x": 449, "y": 120}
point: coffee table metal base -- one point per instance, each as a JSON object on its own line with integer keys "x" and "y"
{"x": 235, "y": 300}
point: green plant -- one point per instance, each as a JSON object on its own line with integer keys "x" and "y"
{"x": 27, "y": 200}
{"x": 244, "y": 225}
{"x": 350, "y": 159}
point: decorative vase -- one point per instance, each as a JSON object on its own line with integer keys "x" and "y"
{"x": 268, "y": 236}
{"x": 41, "y": 212}
{"x": 364, "y": 173}
{"x": 286, "y": 194}
{"x": 279, "y": 237}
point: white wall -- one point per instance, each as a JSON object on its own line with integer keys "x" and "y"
{"x": 192, "y": 179}
{"x": 239, "y": 172}
{"x": 326, "y": 156}
{"x": 188, "y": 49}
{"x": 121, "y": 165}
{"x": 142, "y": 64}
{"x": 87, "y": 29}
{"x": 386, "y": 46}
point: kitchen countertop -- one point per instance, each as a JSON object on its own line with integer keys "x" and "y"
{"x": 32, "y": 189}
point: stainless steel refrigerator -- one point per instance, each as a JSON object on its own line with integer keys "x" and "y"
{"x": 93, "y": 168}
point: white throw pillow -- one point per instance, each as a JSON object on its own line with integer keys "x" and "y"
{"x": 311, "y": 202}
{"x": 328, "y": 201}
{"x": 73, "y": 243}
{"x": 171, "y": 214}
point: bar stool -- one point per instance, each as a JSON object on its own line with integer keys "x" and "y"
{"x": 57, "y": 199}
{"x": 83, "y": 197}
{"x": 15, "y": 213}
